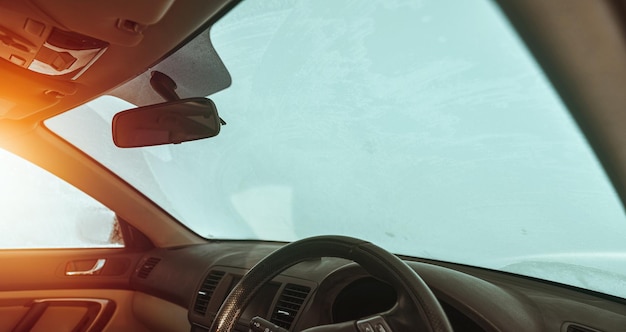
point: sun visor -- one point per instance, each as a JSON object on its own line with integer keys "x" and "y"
{"x": 196, "y": 68}
{"x": 23, "y": 92}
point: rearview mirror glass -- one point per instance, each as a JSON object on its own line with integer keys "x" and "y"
{"x": 167, "y": 123}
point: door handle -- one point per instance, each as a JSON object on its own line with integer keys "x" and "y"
{"x": 94, "y": 270}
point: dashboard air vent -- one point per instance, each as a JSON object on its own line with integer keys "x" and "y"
{"x": 206, "y": 291}
{"x": 289, "y": 304}
{"x": 578, "y": 328}
{"x": 147, "y": 267}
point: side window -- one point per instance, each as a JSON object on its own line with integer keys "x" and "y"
{"x": 39, "y": 210}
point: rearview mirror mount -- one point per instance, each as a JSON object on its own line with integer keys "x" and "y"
{"x": 171, "y": 122}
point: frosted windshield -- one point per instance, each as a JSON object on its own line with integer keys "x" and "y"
{"x": 423, "y": 127}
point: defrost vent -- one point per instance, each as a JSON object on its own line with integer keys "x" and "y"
{"x": 206, "y": 291}
{"x": 573, "y": 327}
{"x": 289, "y": 304}
{"x": 147, "y": 267}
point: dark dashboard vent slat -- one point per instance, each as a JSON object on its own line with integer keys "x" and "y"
{"x": 578, "y": 328}
{"x": 206, "y": 291}
{"x": 288, "y": 305}
{"x": 147, "y": 267}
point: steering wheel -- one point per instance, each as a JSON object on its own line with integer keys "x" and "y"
{"x": 413, "y": 293}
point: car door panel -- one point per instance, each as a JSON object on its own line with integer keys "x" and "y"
{"x": 67, "y": 290}
{"x": 15, "y": 305}
{"x": 65, "y": 314}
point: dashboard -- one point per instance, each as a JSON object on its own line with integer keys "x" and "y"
{"x": 332, "y": 290}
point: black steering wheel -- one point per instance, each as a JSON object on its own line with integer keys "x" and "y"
{"x": 414, "y": 296}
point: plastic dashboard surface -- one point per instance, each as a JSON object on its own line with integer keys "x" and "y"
{"x": 331, "y": 290}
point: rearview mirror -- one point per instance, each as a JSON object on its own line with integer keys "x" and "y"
{"x": 166, "y": 123}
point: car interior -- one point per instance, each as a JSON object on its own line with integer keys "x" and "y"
{"x": 60, "y": 54}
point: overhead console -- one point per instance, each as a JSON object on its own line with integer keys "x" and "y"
{"x": 63, "y": 54}
{"x": 45, "y": 47}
